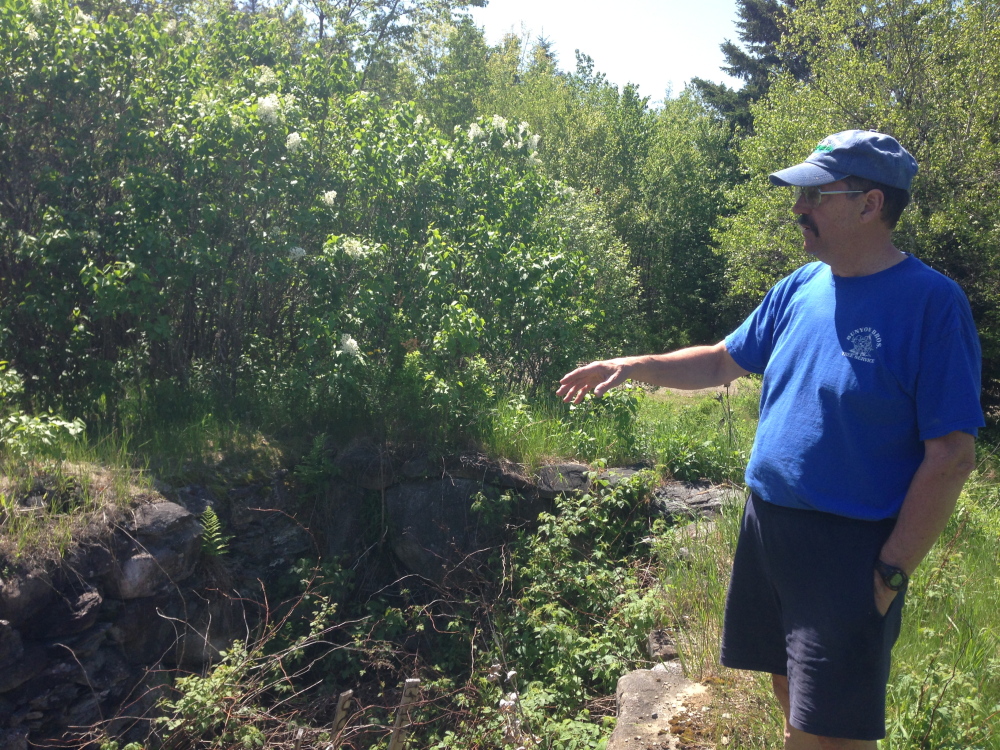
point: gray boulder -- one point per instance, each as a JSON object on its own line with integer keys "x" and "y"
{"x": 365, "y": 464}
{"x": 166, "y": 547}
{"x": 22, "y": 597}
{"x": 685, "y": 501}
{"x": 434, "y": 530}
{"x": 557, "y": 479}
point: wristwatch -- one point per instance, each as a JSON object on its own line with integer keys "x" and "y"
{"x": 894, "y": 578}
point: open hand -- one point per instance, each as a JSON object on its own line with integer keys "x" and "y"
{"x": 597, "y": 378}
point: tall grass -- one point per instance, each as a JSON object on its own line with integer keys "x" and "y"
{"x": 691, "y": 437}
{"x": 701, "y": 436}
{"x": 532, "y": 433}
{"x": 48, "y": 497}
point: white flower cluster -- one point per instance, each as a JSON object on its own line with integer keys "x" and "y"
{"x": 523, "y": 137}
{"x": 171, "y": 27}
{"x": 267, "y": 77}
{"x": 349, "y": 346}
{"x": 31, "y": 32}
{"x": 297, "y": 252}
{"x": 496, "y": 674}
{"x": 354, "y": 248}
{"x": 269, "y": 108}
{"x": 420, "y": 120}
{"x": 293, "y": 142}
{"x": 514, "y": 734}
{"x": 329, "y": 198}
{"x": 82, "y": 17}
{"x": 476, "y": 133}
{"x": 38, "y": 8}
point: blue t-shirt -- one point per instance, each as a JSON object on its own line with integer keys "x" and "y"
{"x": 858, "y": 371}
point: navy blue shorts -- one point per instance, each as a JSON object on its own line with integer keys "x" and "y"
{"x": 801, "y": 603}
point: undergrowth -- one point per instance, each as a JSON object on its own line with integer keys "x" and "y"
{"x": 527, "y": 649}
{"x": 524, "y": 651}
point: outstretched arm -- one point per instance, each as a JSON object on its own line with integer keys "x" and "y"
{"x": 694, "y": 367}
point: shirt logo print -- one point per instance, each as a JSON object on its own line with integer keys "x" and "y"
{"x": 864, "y": 341}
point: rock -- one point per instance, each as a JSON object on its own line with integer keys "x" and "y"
{"x": 14, "y": 739}
{"x": 340, "y": 527}
{"x": 195, "y": 498}
{"x": 143, "y": 635}
{"x": 133, "y": 723}
{"x": 660, "y": 646}
{"x": 246, "y": 509}
{"x": 365, "y": 464}
{"x": 86, "y": 643}
{"x": 210, "y": 627}
{"x": 11, "y": 647}
{"x": 6, "y": 711}
{"x": 90, "y": 561}
{"x": 647, "y": 701}
{"x": 475, "y": 466}
{"x": 420, "y": 467}
{"x": 433, "y": 528}
{"x": 31, "y": 663}
{"x": 687, "y": 500}
{"x": 167, "y": 546}
{"x": 139, "y": 576}
{"x": 616, "y": 476}
{"x": 557, "y": 479}
{"x": 70, "y": 615}
{"x": 162, "y": 522}
{"x": 23, "y": 597}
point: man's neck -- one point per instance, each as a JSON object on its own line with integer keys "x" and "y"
{"x": 868, "y": 260}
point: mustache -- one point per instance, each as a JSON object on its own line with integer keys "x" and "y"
{"x": 804, "y": 221}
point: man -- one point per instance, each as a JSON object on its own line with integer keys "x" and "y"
{"x": 869, "y": 410}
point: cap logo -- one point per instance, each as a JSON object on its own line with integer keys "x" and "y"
{"x": 823, "y": 148}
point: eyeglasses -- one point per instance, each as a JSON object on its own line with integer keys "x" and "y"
{"x": 814, "y": 196}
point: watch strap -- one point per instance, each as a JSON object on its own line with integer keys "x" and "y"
{"x": 894, "y": 578}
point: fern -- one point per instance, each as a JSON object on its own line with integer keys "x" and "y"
{"x": 213, "y": 541}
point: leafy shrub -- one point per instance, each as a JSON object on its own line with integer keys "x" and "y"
{"x": 25, "y": 435}
{"x": 244, "y": 228}
{"x": 581, "y": 611}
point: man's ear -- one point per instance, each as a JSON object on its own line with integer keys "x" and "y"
{"x": 872, "y": 207}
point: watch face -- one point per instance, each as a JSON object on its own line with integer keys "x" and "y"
{"x": 893, "y": 577}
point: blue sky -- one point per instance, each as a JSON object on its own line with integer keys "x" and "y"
{"x": 657, "y": 44}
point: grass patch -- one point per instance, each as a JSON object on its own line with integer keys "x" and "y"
{"x": 701, "y": 435}
{"x": 47, "y": 506}
{"x": 533, "y": 433}
{"x": 690, "y": 436}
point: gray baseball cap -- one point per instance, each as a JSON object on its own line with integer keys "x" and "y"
{"x": 862, "y": 153}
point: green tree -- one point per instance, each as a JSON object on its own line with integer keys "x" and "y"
{"x": 681, "y": 199}
{"x": 761, "y": 25}
{"x": 659, "y": 174}
{"x": 446, "y": 72}
{"x": 214, "y": 208}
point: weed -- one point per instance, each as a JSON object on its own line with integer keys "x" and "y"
{"x": 213, "y": 542}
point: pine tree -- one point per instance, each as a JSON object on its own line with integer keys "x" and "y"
{"x": 760, "y": 28}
